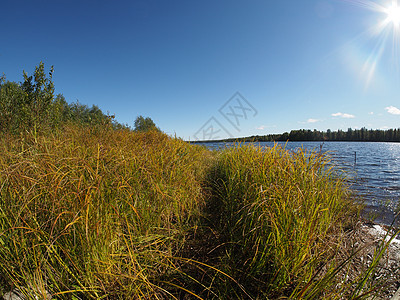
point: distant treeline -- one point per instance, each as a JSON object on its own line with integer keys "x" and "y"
{"x": 31, "y": 106}
{"x": 356, "y": 135}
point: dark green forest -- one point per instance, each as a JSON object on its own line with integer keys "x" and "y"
{"x": 304, "y": 135}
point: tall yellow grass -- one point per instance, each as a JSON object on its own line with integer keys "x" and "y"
{"x": 281, "y": 215}
{"x": 96, "y": 213}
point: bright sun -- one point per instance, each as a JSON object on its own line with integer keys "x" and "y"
{"x": 393, "y": 14}
{"x": 385, "y": 32}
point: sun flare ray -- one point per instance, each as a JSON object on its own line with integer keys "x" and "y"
{"x": 380, "y": 32}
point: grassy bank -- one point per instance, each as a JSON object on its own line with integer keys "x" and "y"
{"x": 90, "y": 213}
{"x": 281, "y": 217}
{"x": 96, "y": 212}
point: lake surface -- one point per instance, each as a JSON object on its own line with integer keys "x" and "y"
{"x": 374, "y": 169}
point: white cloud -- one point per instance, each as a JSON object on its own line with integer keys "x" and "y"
{"x": 263, "y": 127}
{"x": 342, "y": 115}
{"x": 371, "y": 113}
{"x": 309, "y": 121}
{"x": 393, "y": 110}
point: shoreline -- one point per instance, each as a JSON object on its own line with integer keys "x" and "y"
{"x": 369, "y": 237}
{"x": 380, "y": 215}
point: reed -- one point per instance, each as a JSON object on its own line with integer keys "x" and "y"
{"x": 280, "y": 215}
{"x": 97, "y": 213}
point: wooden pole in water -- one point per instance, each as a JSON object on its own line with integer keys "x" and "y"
{"x": 355, "y": 157}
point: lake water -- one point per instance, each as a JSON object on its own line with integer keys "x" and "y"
{"x": 374, "y": 169}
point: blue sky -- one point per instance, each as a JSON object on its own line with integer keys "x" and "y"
{"x": 296, "y": 64}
